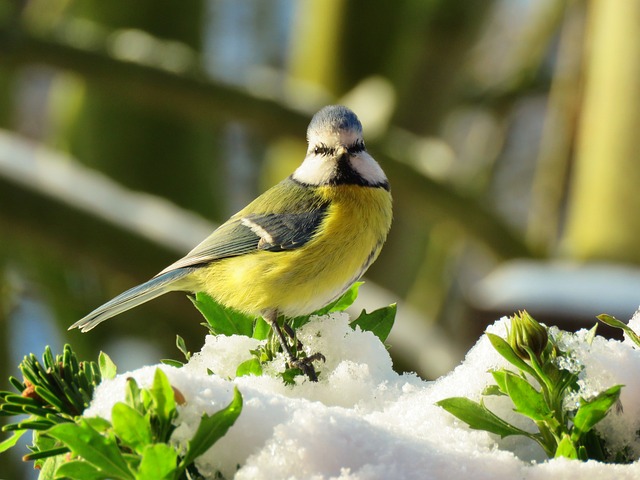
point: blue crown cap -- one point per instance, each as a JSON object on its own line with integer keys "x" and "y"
{"x": 333, "y": 118}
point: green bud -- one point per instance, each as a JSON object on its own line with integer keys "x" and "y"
{"x": 526, "y": 332}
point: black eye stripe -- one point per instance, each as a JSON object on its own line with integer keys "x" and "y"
{"x": 323, "y": 149}
{"x": 357, "y": 148}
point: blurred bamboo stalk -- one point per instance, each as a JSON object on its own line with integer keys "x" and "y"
{"x": 552, "y": 166}
{"x": 316, "y": 45}
{"x": 603, "y": 220}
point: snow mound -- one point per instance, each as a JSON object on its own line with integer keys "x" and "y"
{"x": 363, "y": 421}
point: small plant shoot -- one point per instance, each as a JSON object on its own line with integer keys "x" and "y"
{"x": 538, "y": 384}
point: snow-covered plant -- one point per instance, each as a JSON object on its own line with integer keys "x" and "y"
{"x": 133, "y": 440}
{"x": 135, "y": 444}
{"x": 53, "y": 392}
{"x": 614, "y": 322}
{"x": 223, "y": 321}
{"x": 543, "y": 387}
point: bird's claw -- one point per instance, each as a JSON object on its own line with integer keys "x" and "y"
{"x": 305, "y": 365}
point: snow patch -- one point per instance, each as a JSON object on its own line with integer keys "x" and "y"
{"x": 363, "y": 421}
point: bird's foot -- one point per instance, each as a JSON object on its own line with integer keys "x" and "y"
{"x": 305, "y": 365}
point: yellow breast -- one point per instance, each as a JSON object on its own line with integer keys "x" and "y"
{"x": 300, "y": 281}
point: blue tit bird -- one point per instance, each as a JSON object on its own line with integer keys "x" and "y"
{"x": 295, "y": 248}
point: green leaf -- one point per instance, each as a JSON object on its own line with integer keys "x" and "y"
{"x": 342, "y": 303}
{"x": 79, "y": 470}
{"x": 131, "y": 426}
{"x": 528, "y": 400}
{"x": 17, "y": 384}
{"x": 591, "y": 335}
{"x": 211, "y": 429}
{"x": 492, "y": 390}
{"x": 159, "y": 462}
{"x": 132, "y": 395}
{"x": 584, "y": 455}
{"x": 49, "y": 466}
{"x": 478, "y": 417}
{"x": 19, "y": 399}
{"x": 290, "y": 374}
{"x": 592, "y": 448}
{"x": 51, "y": 398}
{"x": 249, "y": 367}
{"x": 42, "y": 443}
{"x": 98, "y": 423}
{"x": 40, "y": 454}
{"x": 297, "y": 322}
{"x": 221, "y": 320}
{"x": 133, "y": 460}
{"x": 614, "y": 322}
{"x": 162, "y": 396}
{"x": 593, "y": 410}
{"x": 107, "y": 367}
{"x": 566, "y": 448}
{"x": 172, "y": 363}
{"x": 11, "y": 441}
{"x": 339, "y": 305}
{"x": 504, "y": 349}
{"x": 261, "y": 329}
{"x": 500, "y": 378}
{"x": 28, "y": 425}
{"x": 182, "y": 346}
{"x": 99, "y": 450}
{"x": 379, "y": 322}
{"x": 10, "y": 409}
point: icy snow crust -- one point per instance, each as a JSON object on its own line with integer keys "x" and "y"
{"x": 364, "y": 421}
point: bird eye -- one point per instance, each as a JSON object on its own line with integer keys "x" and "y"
{"x": 356, "y": 148}
{"x": 321, "y": 149}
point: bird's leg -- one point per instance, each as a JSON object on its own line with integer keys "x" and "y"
{"x": 306, "y": 364}
{"x": 292, "y": 335}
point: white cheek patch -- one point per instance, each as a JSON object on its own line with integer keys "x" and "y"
{"x": 315, "y": 170}
{"x": 368, "y": 168}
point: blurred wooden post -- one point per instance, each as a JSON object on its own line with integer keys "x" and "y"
{"x": 603, "y": 220}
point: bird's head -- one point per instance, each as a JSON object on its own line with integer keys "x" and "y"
{"x": 332, "y": 128}
{"x": 336, "y": 152}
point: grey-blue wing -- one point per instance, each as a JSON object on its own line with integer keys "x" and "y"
{"x": 241, "y": 235}
{"x": 284, "y": 231}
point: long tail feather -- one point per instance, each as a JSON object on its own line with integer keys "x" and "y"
{"x": 132, "y": 298}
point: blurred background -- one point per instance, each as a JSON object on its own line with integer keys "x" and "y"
{"x": 509, "y": 130}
